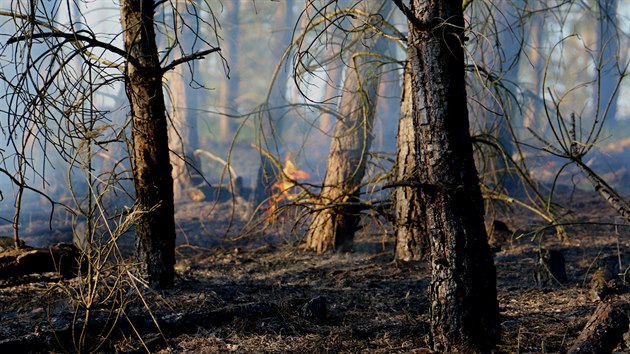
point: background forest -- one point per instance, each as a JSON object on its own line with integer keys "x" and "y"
{"x": 293, "y": 126}
{"x": 528, "y": 59}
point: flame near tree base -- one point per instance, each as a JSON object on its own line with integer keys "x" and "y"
{"x": 287, "y": 187}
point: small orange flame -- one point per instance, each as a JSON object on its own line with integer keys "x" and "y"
{"x": 282, "y": 190}
{"x": 292, "y": 172}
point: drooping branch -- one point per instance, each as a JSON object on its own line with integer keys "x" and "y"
{"x": 93, "y": 42}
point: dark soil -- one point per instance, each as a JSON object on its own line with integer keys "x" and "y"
{"x": 264, "y": 294}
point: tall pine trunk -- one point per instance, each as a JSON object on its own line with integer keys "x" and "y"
{"x": 155, "y": 233}
{"x": 337, "y": 213}
{"x": 464, "y": 308}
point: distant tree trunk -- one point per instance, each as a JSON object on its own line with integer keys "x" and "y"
{"x": 231, "y": 85}
{"x": 532, "y": 83}
{"x": 463, "y": 298}
{"x": 271, "y": 125}
{"x": 388, "y": 107}
{"x": 411, "y": 234}
{"x": 153, "y": 182}
{"x": 337, "y": 215}
{"x": 500, "y": 108}
{"x": 183, "y": 139}
{"x": 607, "y": 51}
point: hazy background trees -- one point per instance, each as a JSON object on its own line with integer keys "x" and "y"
{"x": 60, "y": 83}
{"x": 302, "y": 107}
{"x": 517, "y": 65}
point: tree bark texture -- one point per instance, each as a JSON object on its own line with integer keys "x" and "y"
{"x": 464, "y": 308}
{"x": 337, "y": 212}
{"x": 155, "y": 232}
{"x": 334, "y": 73}
{"x": 411, "y": 235}
{"x": 603, "y": 331}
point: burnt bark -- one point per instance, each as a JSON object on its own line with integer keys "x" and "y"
{"x": 155, "y": 231}
{"x": 59, "y": 258}
{"x": 603, "y": 331}
{"x": 464, "y": 307}
{"x": 336, "y": 217}
{"x": 411, "y": 236}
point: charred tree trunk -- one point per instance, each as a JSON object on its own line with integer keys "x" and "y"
{"x": 411, "y": 236}
{"x": 337, "y": 213}
{"x": 464, "y": 308}
{"x": 153, "y": 182}
{"x": 603, "y": 331}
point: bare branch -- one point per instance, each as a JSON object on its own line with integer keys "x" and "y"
{"x": 93, "y": 42}
{"x": 417, "y": 23}
{"x": 187, "y": 58}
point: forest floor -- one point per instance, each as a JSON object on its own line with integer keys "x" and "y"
{"x": 264, "y": 294}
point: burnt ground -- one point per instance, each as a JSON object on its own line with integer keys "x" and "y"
{"x": 264, "y": 294}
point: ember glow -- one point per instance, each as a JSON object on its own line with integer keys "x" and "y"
{"x": 285, "y": 188}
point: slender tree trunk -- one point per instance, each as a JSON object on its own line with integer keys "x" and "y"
{"x": 231, "y": 85}
{"x": 607, "y": 50}
{"x": 183, "y": 136}
{"x": 411, "y": 235}
{"x": 155, "y": 231}
{"x": 532, "y": 105}
{"x": 388, "y": 108}
{"x": 271, "y": 121}
{"x": 336, "y": 219}
{"x": 499, "y": 105}
{"x": 464, "y": 308}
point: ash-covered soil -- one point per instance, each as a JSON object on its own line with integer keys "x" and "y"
{"x": 264, "y": 294}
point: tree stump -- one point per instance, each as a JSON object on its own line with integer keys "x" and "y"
{"x": 550, "y": 268}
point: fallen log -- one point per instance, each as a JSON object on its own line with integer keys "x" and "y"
{"x": 59, "y": 258}
{"x": 603, "y": 331}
